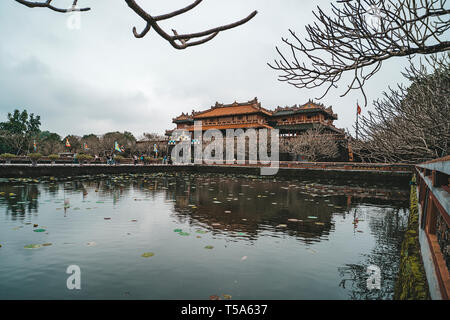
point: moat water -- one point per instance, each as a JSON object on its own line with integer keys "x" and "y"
{"x": 206, "y": 236}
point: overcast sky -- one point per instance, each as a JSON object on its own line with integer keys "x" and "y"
{"x": 100, "y": 78}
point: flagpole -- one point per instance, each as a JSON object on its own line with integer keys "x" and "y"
{"x": 357, "y": 118}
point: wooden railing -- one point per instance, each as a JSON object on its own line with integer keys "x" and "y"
{"x": 434, "y": 198}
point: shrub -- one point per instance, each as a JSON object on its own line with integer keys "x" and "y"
{"x": 53, "y": 156}
{"x": 84, "y": 157}
{"x": 118, "y": 158}
{"x": 7, "y": 156}
{"x": 34, "y": 156}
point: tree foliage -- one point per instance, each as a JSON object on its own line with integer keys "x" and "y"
{"x": 17, "y": 133}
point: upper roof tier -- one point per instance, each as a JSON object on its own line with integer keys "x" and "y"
{"x": 308, "y": 107}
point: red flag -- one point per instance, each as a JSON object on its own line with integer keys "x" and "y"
{"x": 358, "y": 109}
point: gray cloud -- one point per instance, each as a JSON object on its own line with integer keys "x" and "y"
{"x": 100, "y": 78}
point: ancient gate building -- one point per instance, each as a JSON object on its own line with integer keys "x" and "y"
{"x": 290, "y": 121}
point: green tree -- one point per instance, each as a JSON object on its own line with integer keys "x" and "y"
{"x": 49, "y": 142}
{"x": 18, "y": 132}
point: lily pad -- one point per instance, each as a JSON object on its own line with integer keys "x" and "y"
{"x": 32, "y": 246}
{"x": 178, "y": 230}
{"x": 183, "y": 233}
{"x": 201, "y": 231}
{"x": 147, "y": 254}
{"x": 46, "y": 244}
{"x": 39, "y": 230}
{"x": 209, "y": 247}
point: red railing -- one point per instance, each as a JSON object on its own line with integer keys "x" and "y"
{"x": 434, "y": 192}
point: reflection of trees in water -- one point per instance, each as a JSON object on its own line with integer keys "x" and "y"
{"x": 250, "y": 202}
{"x": 387, "y": 229}
{"x": 24, "y": 201}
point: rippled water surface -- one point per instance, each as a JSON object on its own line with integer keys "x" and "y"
{"x": 211, "y": 235}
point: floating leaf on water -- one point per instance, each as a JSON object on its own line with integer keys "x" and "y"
{"x": 293, "y": 220}
{"x": 360, "y": 231}
{"x": 282, "y": 226}
{"x": 320, "y": 223}
{"x": 227, "y": 296}
{"x": 217, "y": 202}
{"x": 201, "y": 231}
{"x": 209, "y": 247}
{"x": 46, "y": 244}
{"x": 183, "y": 233}
{"x": 134, "y": 220}
{"x": 35, "y": 225}
{"x": 107, "y": 218}
{"x": 214, "y": 297}
{"x": 178, "y": 230}
{"x": 12, "y": 194}
{"x": 39, "y": 230}
{"x": 147, "y": 254}
{"x": 100, "y": 202}
{"x": 32, "y": 246}
{"x": 312, "y": 217}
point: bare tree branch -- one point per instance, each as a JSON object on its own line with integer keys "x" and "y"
{"x": 410, "y": 124}
{"x": 48, "y": 4}
{"x": 358, "y": 36}
{"x": 178, "y": 41}
{"x": 314, "y": 144}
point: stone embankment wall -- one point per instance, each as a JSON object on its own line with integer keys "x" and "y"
{"x": 367, "y": 176}
{"x": 412, "y": 282}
